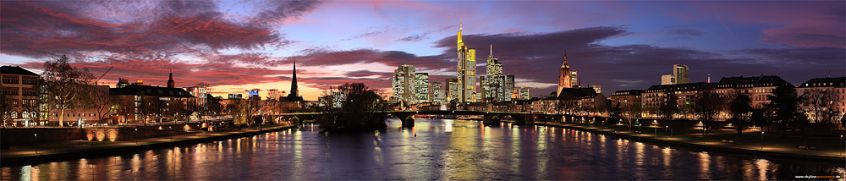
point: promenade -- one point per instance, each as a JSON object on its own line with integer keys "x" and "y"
{"x": 726, "y": 140}
{"x": 83, "y": 149}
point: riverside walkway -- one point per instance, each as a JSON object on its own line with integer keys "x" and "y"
{"x": 752, "y": 143}
{"x": 82, "y": 149}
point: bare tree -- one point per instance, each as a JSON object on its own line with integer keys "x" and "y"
{"x": 707, "y": 103}
{"x": 821, "y": 104}
{"x": 669, "y": 106}
{"x": 64, "y": 84}
{"x": 741, "y": 111}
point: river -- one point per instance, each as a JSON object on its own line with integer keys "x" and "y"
{"x": 435, "y": 149}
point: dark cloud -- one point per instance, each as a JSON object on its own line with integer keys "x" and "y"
{"x": 281, "y": 10}
{"x": 537, "y": 57}
{"x": 390, "y": 58}
{"x": 44, "y": 28}
{"x": 154, "y": 72}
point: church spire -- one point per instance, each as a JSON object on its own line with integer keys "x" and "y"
{"x": 294, "y": 90}
{"x": 170, "y": 79}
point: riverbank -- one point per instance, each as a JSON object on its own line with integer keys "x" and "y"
{"x": 750, "y": 144}
{"x": 83, "y": 149}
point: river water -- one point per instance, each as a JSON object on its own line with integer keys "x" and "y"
{"x": 435, "y": 149}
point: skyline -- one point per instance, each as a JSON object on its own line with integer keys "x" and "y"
{"x": 236, "y": 47}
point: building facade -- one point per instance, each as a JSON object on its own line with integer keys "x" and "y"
{"x": 628, "y": 101}
{"x": 653, "y": 98}
{"x": 20, "y": 94}
{"x": 438, "y": 93}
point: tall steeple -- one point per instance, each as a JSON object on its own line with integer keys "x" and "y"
{"x": 170, "y": 79}
{"x": 565, "y": 79}
{"x": 294, "y": 90}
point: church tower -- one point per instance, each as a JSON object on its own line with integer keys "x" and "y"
{"x": 294, "y": 94}
{"x": 564, "y": 79}
{"x": 170, "y": 83}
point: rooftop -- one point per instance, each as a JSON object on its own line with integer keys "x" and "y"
{"x": 825, "y": 82}
{"x": 15, "y": 70}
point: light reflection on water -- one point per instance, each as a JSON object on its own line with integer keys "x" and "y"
{"x": 433, "y": 149}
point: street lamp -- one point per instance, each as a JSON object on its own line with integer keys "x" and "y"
{"x": 762, "y": 141}
{"x": 36, "y": 142}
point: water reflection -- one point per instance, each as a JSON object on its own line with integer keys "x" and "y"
{"x": 432, "y": 150}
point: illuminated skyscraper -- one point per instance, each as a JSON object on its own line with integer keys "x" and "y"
{"x": 680, "y": 73}
{"x": 574, "y": 78}
{"x": 452, "y": 90}
{"x": 466, "y": 71}
{"x": 421, "y": 88}
{"x": 493, "y": 84}
{"x": 564, "y": 79}
{"x": 403, "y": 84}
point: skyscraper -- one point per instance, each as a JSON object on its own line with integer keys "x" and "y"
{"x": 466, "y": 71}
{"x": 421, "y": 87}
{"x": 403, "y": 84}
{"x": 574, "y": 78}
{"x": 452, "y": 90}
{"x": 680, "y": 73}
{"x": 437, "y": 93}
{"x": 507, "y": 89}
{"x": 564, "y": 79}
{"x": 493, "y": 83}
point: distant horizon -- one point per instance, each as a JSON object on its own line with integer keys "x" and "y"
{"x": 237, "y": 45}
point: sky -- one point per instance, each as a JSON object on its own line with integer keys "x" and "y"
{"x": 239, "y": 44}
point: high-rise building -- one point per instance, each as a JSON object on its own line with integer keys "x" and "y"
{"x": 507, "y": 88}
{"x": 574, "y": 78}
{"x": 564, "y": 79}
{"x": 492, "y": 84}
{"x": 421, "y": 88}
{"x": 667, "y": 79}
{"x": 597, "y": 88}
{"x": 523, "y": 94}
{"x": 680, "y": 73}
{"x": 452, "y": 90}
{"x": 437, "y": 93}
{"x": 466, "y": 71}
{"x": 403, "y": 84}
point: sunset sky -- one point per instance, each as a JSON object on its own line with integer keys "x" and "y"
{"x": 239, "y": 45}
